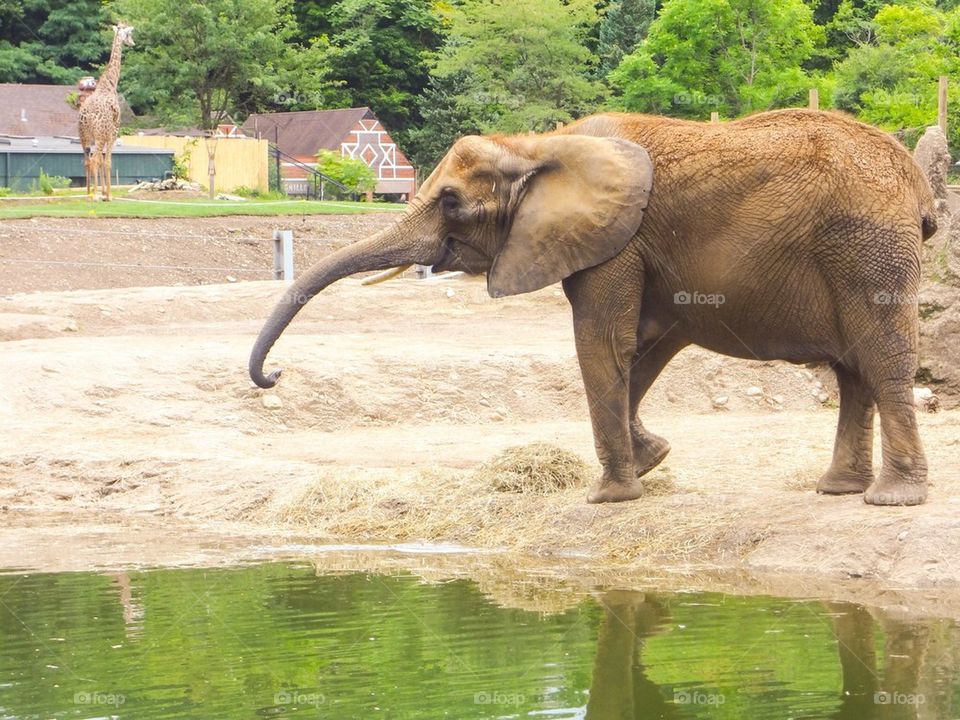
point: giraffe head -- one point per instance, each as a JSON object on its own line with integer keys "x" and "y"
{"x": 124, "y": 32}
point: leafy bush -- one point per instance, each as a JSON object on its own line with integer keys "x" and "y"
{"x": 4, "y": 191}
{"x": 48, "y": 183}
{"x": 258, "y": 194}
{"x": 356, "y": 175}
{"x": 181, "y": 166}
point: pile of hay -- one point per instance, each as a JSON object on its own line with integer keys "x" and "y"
{"x": 537, "y": 468}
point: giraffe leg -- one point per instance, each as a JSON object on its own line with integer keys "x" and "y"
{"x": 107, "y": 161}
{"x": 101, "y": 185}
{"x": 87, "y": 154}
{"x": 95, "y": 173}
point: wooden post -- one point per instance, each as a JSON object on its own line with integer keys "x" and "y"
{"x": 559, "y": 125}
{"x": 942, "y": 104}
{"x": 814, "y": 99}
{"x": 211, "y": 166}
{"x": 283, "y": 255}
{"x": 715, "y": 117}
{"x": 276, "y": 147}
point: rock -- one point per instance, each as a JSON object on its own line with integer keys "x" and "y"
{"x": 933, "y": 157}
{"x": 939, "y": 362}
{"x": 903, "y": 535}
{"x": 720, "y": 401}
{"x": 924, "y": 399}
{"x": 450, "y": 292}
{"x": 778, "y": 399}
{"x": 754, "y": 391}
{"x": 231, "y": 279}
{"x": 942, "y": 251}
{"x": 822, "y": 397}
{"x": 71, "y": 326}
{"x": 168, "y": 184}
{"x": 271, "y": 402}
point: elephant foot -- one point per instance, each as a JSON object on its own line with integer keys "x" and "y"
{"x": 649, "y": 450}
{"x": 615, "y": 488}
{"x": 893, "y": 489}
{"x": 844, "y": 482}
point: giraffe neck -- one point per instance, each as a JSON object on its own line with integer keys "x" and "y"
{"x": 111, "y": 75}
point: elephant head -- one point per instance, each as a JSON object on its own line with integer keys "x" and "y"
{"x": 527, "y": 210}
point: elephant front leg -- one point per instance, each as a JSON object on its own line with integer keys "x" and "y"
{"x": 653, "y": 354}
{"x": 605, "y": 365}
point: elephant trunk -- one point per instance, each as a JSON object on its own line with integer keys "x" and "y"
{"x": 383, "y": 250}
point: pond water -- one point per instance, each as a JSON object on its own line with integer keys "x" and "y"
{"x": 279, "y": 640}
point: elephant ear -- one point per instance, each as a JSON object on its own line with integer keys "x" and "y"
{"x": 579, "y": 205}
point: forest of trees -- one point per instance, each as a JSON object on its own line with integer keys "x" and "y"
{"x": 433, "y": 70}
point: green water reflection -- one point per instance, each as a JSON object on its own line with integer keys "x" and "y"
{"x": 277, "y": 640}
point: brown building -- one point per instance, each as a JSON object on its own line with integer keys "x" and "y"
{"x": 354, "y": 132}
{"x": 42, "y": 110}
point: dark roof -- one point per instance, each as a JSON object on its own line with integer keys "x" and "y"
{"x": 182, "y": 132}
{"x": 305, "y": 132}
{"x": 69, "y": 146}
{"x": 41, "y": 110}
{"x": 34, "y": 110}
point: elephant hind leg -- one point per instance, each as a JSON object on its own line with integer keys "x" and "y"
{"x": 852, "y": 468}
{"x": 903, "y": 477}
{"x": 888, "y": 365}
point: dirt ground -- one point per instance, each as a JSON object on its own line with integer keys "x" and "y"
{"x": 127, "y": 416}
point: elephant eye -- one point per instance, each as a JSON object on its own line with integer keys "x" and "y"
{"x": 449, "y": 203}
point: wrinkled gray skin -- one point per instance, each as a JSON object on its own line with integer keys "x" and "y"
{"x": 807, "y": 226}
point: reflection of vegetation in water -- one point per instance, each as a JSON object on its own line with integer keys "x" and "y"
{"x": 276, "y": 640}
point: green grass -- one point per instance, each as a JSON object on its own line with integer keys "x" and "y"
{"x": 81, "y": 207}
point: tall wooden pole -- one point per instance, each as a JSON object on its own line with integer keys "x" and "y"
{"x": 814, "y": 99}
{"x": 276, "y": 147}
{"x": 942, "y": 104}
{"x": 715, "y": 117}
{"x": 211, "y": 164}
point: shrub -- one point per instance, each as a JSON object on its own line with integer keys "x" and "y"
{"x": 4, "y": 191}
{"x": 258, "y": 194}
{"x": 48, "y": 183}
{"x": 356, "y": 175}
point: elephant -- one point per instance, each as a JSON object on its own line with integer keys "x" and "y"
{"x": 791, "y": 234}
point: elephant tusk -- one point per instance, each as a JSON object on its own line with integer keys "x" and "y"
{"x": 385, "y": 275}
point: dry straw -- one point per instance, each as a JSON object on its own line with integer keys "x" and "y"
{"x": 537, "y": 468}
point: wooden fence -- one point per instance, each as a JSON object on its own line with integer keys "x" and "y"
{"x": 240, "y": 162}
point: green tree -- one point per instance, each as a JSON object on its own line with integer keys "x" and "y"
{"x": 356, "y": 175}
{"x": 202, "y": 60}
{"x": 447, "y": 113}
{"x": 732, "y": 56}
{"x": 313, "y": 19}
{"x": 51, "y": 41}
{"x": 890, "y": 79}
{"x": 520, "y": 66}
{"x": 377, "y": 57}
{"x": 624, "y": 25}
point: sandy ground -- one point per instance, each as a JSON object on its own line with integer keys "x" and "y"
{"x": 129, "y": 425}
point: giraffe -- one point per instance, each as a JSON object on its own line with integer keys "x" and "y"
{"x": 100, "y": 117}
